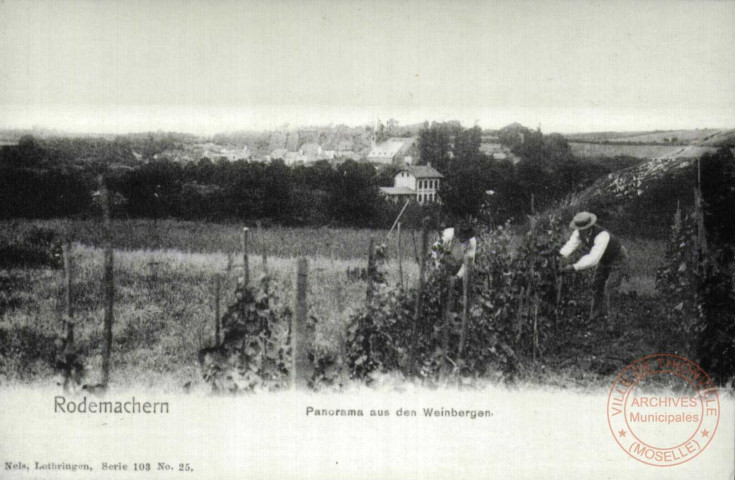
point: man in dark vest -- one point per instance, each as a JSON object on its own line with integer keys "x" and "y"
{"x": 605, "y": 252}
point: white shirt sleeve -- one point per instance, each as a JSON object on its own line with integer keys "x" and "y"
{"x": 571, "y": 245}
{"x": 598, "y": 249}
{"x": 470, "y": 251}
{"x": 447, "y": 237}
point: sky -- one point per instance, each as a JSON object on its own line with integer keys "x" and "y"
{"x": 213, "y": 66}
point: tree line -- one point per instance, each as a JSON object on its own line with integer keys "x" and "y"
{"x": 58, "y": 178}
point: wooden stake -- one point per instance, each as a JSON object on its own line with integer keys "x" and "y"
{"x": 299, "y": 330}
{"x": 400, "y": 256}
{"x": 448, "y": 317}
{"x": 396, "y": 222}
{"x": 465, "y": 303}
{"x": 535, "y": 327}
{"x": 417, "y": 312}
{"x": 216, "y": 309}
{"x": 519, "y": 314}
{"x": 415, "y": 250}
{"x": 68, "y": 322}
{"x": 263, "y": 248}
{"x": 108, "y": 282}
{"x": 245, "y": 263}
{"x": 370, "y": 271}
{"x": 341, "y": 339}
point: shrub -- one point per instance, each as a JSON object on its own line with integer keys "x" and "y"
{"x": 37, "y": 247}
{"x": 255, "y": 353}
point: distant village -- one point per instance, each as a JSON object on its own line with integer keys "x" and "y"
{"x": 376, "y": 145}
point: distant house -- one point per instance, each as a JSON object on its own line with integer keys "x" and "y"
{"x": 394, "y": 151}
{"x": 312, "y": 151}
{"x": 214, "y": 151}
{"x": 347, "y": 155}
{"x": 278, "y": 154}
{"x": 294, "y": 158}
{"x": 498, "y": 151}
{"x": 416, "y": 183}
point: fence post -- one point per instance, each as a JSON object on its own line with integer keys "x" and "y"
{"x": 448, "y": 318}
{"x": 216, "y": 308}
{"x": 415, "y": 251}
{"x": 519, "y": 314}
{"x": 417, "y": 313}
{"x": 466, "y": 282}
{"x": 400, "y": 256}
{"x": 535, "y": 326}
{"x": 69, "y": 311}
{"x": 699, "y": 214}
{"x": 370, "y": 271}
{"x": 263, "y": 247}
{"x": 245, "y": 263}
{"x": 108, "y": 282}
{"x": 301, "y": 366}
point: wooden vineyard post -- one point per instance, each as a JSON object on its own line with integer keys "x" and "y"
{"x": 339, "y": 298}
{"x": 465, "y": 303}
{"x": 448, "y": 319}
{"x": 108, "y": 282}
{"x": 217, "y": 288}
{"x": 400, "y": 256}
{"x": 535, "y": 327}
{"x": 301, "y": 366}
{"x": 370, "y": 271}
{"x": 699, "y": 216}
{"x": 245, "y": 263}
{"x": 519, "y": 315}
{"x": 263, "y": 247}
{"x": 417, "y": 312}
{"x": 415, "y": 251}
{"x": 68, "y": 310}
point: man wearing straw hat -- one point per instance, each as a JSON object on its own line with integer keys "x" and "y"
{"x": 605, "y": 252}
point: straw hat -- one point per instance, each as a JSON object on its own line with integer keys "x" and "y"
{"x": 583, "y": 221}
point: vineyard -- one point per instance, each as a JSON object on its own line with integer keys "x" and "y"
{"x": 523, "y": 320}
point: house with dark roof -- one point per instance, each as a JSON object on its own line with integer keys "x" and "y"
{"x": 416, "y": 183}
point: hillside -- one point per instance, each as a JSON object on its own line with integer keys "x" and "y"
{"x": 641, "y": 197}
{"x": 652, "y": 144}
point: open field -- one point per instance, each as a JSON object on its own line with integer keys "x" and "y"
{"x": 164, "y": 306}
{"x": 639, "y": 151}
{"x": 659, "y": 136}
{"x": 202, "y": 237}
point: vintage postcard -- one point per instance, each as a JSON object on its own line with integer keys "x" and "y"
{"x": 367, "y": 239}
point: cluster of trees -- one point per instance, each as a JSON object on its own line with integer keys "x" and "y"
{"x": 475, "y": 183}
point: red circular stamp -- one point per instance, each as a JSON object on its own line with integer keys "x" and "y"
{"x": 663, "y": 410}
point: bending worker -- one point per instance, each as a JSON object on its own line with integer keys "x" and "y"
{"x": 459, "y": 243}
{"x": 605, "y": 252}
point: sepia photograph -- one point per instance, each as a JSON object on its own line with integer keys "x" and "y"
{"x": 359, "y": 239}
